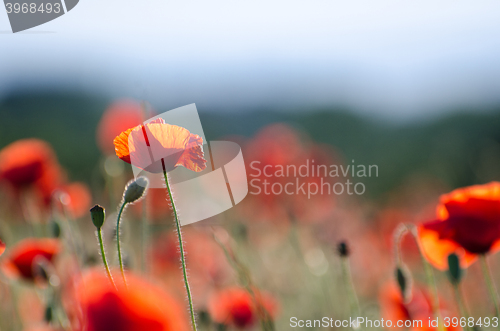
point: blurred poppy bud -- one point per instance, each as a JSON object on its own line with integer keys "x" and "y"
{"x": 343, "y": 249}
{"x": 97, "y": 214}
{"x": 454, "y": 270}
{"x": 55, "y": 229}
{"x": 48, "y": 313}
{"x": 403, "y": 279}
{"x": 135, "y": 189}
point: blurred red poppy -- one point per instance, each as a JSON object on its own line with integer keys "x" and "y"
{"x": 274, "y": 157}
{"x": 76, "y": 197}
{"x": 19, "y": 262}
{"x": 174, "y": 144}
{"x": 468, "y": 223}
{"x": 236, "y": 307}
{"x": 141, "y": 306}
{"x": 418, "y": 308}
{"x": 30, "y": 163}
{"x": 118, "y": 117}
{"x": 2, "y": 247}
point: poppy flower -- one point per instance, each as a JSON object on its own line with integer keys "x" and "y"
{"x": 395, "y": 308}
{"x": 76, "y": 197}
{"x": 118, "y": 117}
{"x": 2, "y": 247}
{"x": 30, "y": 163}
{"x": 140, "y": 306}
{"x": 169, "y": 144}
{"x": 236, "y": 307}
{"x": 467, "y": 223}
{"x": 21, "y": 257}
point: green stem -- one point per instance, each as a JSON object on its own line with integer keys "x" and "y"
{"x": 461, "y": 303}
{"x": 353, "y": 299}
{"x": 488, "y": 278}
{"x": 103, "y": 254}
{"x": 120, "y": 260}
{"x": 429, "y": 275}
{"x": 181, "y": 246}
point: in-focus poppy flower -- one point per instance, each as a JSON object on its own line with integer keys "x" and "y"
{"x": 30, "y": 163}
{"x": 19, "y": 262}
{"x": 418, "y": 308}
{"x": 173, "y": 144}
{"x": 468, "y": 224}
{"x": 118, "y": 117}
{"x": 234, "y": 306}
{"x": 141, "y": 306}
{"x": 76, "y": 197}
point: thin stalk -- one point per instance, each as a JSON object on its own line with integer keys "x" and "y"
{"x": 488, "y": 278}
{"x": 351, "y": 292}
{"x": 430, "y": 279}
{"x": 461, "y": 303}
{"x": 104, "y": 260}
{"x": 118, "y": 244}
{"x": 181, "y": 246}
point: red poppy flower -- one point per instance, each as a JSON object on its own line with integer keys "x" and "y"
{"x": 119, "y": 116}
{"x": 172, "y": 143}
{"x": 19, "y": 263}
{"x": 419, "y": 308}
{"x": 141, "y": 306}
{"x": 235, "y": 306}
{"x": 468, "y": 223}
{"x": 30, "y": 163}
{"x": 2, "y": 247}
{"x": 76, "y": 197}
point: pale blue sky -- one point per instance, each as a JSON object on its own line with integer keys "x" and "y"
{"x": 397, "y": 58}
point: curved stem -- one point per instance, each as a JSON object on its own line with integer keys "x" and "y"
{"x": 489, "y": 283}
{"x": 181, "y": 246}
{"x": 118, "y": 241}
{"x": 103, "y": 254}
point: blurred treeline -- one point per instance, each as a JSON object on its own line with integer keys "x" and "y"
{"x": 460, "y": 149}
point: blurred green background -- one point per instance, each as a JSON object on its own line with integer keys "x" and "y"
{"x": 460, "y": 148}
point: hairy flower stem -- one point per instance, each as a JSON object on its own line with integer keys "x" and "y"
{"x": 120, "y": 260}
{"x": 490, "y": 284}
{"x": 103, "y": 255}
{"x": 181, "y": 246}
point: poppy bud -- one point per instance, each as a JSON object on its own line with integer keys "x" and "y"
{"x": 97, "y": 214}
{"x": 135, "y": 189}
{"x": 403, "y": 278}
{"x": 343, "y": 249}
{"x": 454, "y": 270}
{"x": 48, "y": 313}
{"x": 55, "y": 229}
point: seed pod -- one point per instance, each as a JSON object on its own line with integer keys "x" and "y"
{"x": 343, "y": 249}
{"x": 135, "y": 190}
{"x": 98, "y": 216}
{"x": 454, "y": 270}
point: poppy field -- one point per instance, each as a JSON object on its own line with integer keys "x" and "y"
{"x": 322, "y": 238}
